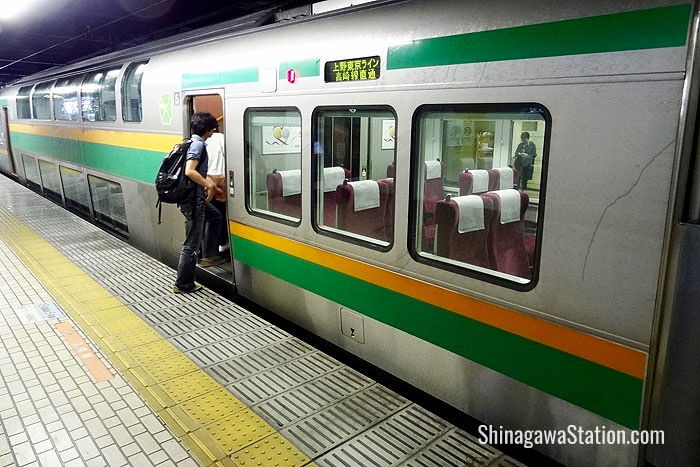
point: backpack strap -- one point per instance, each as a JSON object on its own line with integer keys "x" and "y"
{"x": 159, "y": 205}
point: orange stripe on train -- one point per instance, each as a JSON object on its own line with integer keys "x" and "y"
{"x": 609, "y": 354}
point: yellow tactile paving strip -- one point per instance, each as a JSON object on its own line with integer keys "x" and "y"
{"x": 216, "y": 427}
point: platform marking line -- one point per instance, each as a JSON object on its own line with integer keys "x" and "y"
{"x": 185, "y": 397}
{"x": 99, "y": 370}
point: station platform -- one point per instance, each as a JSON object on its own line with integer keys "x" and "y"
{"x": 101, "y": 364}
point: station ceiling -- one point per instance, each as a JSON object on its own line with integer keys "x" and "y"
{"x": 60, "y": 32}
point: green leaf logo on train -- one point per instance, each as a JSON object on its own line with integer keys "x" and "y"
{"x": 166, "y": 109}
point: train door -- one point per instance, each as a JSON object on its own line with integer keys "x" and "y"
{"x": 7, "y": 165}
{"x": 216, "y": 251}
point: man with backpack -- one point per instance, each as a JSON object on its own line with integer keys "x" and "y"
{"x": 193, "y": 205}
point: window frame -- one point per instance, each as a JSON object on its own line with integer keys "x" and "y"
{"x": 123, "y": 87}
{"x": 97, "y": 215}
{"x": 80, "y": 78}
{"x": 339, "y": 234}
{"x": 270, "y": 215}
{"x": 50, "y": 91}
{"x": 464, "y": 269}
{"x": 57, "y": 195}
{"x": 69, "y": 202}
{"x": 29, "y": 89}
{"x": 99, "y": 93}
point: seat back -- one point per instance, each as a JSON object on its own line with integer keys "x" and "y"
{"x": 368, "y": 222}
{"x": 389, "y": 215}
{"x": 468, "y": 179}
{"x": 289, "y": 205}
{"x": 433, "y": 192}
{"x": 391, "y": 171}
{"x": 506, "y": 243}
{"x": 468, "y": 247}
{"x": 329, "y": 200}
{"x": 497, "y": 182}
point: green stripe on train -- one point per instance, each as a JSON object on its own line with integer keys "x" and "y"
{"x": 137, "y": 164}
{"x": 634, "y": 30}
{"x": 601, "y": 390}
{"x": 219, "y": 78}
{"x": 3, "y": 101}
{"x": 303, "y": 68}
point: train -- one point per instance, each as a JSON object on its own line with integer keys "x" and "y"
{"x": 380, "y": 196}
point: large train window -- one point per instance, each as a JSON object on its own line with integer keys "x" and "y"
{"x": 66, "y": 105}
{"x": 353, "y": 159}
{"x": 131, "y": 92}
{"x": 97, "y": 98}
{"x": 24, "y": 109}
{"x": 41, "y": 101}
{"x": 51, "y": 180}
{"x": 477, "y": 182}
{"x": 273, "y": 163}
{"x": 75, "y": 190}
{"x": 108, "y": 204}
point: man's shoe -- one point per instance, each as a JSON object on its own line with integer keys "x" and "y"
{"x": 207, "y": 262}
{"x": 197, "y": 287}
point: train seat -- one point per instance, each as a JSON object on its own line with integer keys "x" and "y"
{"x": 433, "y": 192}
{"x": 284, "y": 192}
{"x": 462, "y": 229}
{"x": 362, "y": 208}
{"x": 506, "y": 232}
{"x": 473, "y": 182}
{"x": 502, "y": 178}
{"x": 391, "y": 171}
{"x": 332, "y": 177}
{"x": 389, "y": 215}
{"x": 434, "y": 189}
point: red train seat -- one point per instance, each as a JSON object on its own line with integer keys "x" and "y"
{"x": 332, "y": 177}
{"x": 284, "y": 192}
{"x": 462, "y": 229}
{"x": 506, "y": 232}
{"x": 473, "y": 182}
{"x": 362, "y": 208}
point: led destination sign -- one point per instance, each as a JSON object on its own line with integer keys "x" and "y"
{"x": 353, "y": 69}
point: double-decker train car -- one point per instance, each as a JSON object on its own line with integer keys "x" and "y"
{"x": 494, "y": 201}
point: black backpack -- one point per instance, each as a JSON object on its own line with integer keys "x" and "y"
{"x": 172, "y": 185}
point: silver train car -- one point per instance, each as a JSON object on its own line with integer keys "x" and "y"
{"x": 382, "y": 196}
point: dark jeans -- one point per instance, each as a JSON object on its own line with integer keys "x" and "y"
{"x": 193, "y": 210}
{"x": 213, "y": 227}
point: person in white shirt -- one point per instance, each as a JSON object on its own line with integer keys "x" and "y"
{"x": 215, "y": 238}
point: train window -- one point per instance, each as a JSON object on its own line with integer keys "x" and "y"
{"x": 131, "y": 92}
{"x": 31, "y": 172}
{"x": 24, "y": 109}
{"x": 273, "y": 163}
{"x": 354, "y": 153}
{"x": 477, "y": 182}
{"x": 108, "y": 204}
{"x": 41, "y": 101}
{"x": 51, "y": 180}
{"x": 65, "y": 99}
{"x": 97, "y": 98}
{"x": 75, "y": 190}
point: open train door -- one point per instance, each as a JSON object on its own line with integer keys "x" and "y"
{"x": 215, "y": 262}
{"x": 7, "y": 164}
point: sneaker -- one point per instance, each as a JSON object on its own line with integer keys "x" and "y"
{"x": 197, "y": 287}
{"x": 207, "y": 262}
{"x": 224, "y": 249}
